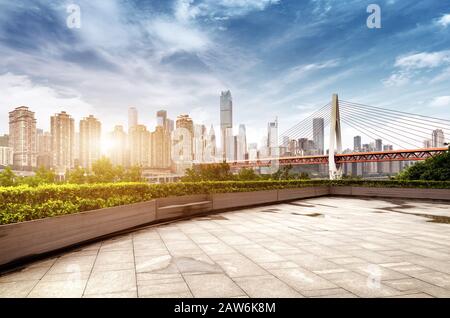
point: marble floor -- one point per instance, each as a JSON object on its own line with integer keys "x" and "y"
{"x": 321, "y": 247}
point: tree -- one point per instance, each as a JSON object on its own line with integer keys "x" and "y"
{"x": 133, "y": 174}
{"x": 77, "y": 176}
{"x": 44, "y": 175}
{"x": 8, "y": 178}
{"x": 436, "y": 168}
{"x": 209, "y": 172}
{"x": 247, "y": 175}
{"x": 102, "y": 171}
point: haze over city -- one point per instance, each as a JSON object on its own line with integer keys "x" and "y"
{"x": 279, "y": 58}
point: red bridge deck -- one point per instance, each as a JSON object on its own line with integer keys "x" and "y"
{"x": 378, "y": 156}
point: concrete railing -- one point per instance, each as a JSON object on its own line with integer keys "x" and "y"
{"x": 27, "y": 239}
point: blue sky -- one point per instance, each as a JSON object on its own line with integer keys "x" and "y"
{"x": 278, "y": 57}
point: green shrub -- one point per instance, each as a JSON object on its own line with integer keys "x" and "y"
{"x": 25, "y": 203}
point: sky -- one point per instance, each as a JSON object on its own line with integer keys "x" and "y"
{"x": 279, "y": 58}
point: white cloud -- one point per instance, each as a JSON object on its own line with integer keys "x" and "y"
{"x": 171, "y": 36}
{"x": 444, "y": 21}
{"x": 441, "y": 101}
{"x": 397, "y": 79}
{"x": 416, "y": 65}
{"x": 186, "y": 10}
{"x": 19, "y": 90}
{"x": 423, "y": 60}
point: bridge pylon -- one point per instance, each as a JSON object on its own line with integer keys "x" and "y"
{"x": 335, "y": 147}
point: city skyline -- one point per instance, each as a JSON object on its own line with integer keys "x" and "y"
{"x": 266, "y": 64}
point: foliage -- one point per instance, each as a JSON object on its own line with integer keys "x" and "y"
{"x": 24, "y": 203}
{"x": 435, "y": 168}
{"x": 209, "y": 172}
{"x": 7, "y": 178}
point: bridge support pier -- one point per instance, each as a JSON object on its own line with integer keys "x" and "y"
{"x": 335, "y": 147}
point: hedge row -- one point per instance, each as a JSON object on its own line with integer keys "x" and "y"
{"x": 23, "y": 203}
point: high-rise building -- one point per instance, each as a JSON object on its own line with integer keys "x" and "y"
{"x": 427, "y": 143}
{"x": 319, "y": 135}
{"x": 170, "y": 125}
{"x": 242, "y": 143}
{"x": 211, "y": 146}
{"x": 438, "y": 138}
{"x": 118, "y": 150}
{"x": 160, "y": 148}
{"x": 132, "y": 117}
{"x": 272, "y": 139}
{"x": 22, "y": 138}
{"x": 357, "y": 144}
{"x": 226, "y": 120}
{"x": 253, "y": 151}
{"x": 230, "y": 145}
{"x": 4, "y": 141}
{"x": 44, "y": 149}
{"x": 199, "y": 143}
{"x": 6, "y": 156}
{"x": 378, "y": 145}
{"x": 139, "y": 145}
{"x": 184, "y": 121}
{"x": 90, "y": 134}
{"x": 63, "y": 134}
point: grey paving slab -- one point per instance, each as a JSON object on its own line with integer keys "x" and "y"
{"x": 349, "y": 250}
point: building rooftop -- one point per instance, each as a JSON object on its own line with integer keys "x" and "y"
{"x": 322, "y": 247}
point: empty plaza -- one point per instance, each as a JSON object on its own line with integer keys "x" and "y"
{"x": 321, "y": 247}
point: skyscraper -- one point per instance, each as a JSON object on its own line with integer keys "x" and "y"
{"x": 161, "y": 118}
{"x": 184, "y": 121}
{"x": 4, "y": 141}
{"x": 319, "y": 134}
{"x": 132, "y": 117}
{"x": 272, "y": 139}
{"x": 44, "y": 149}
{"x": 118, "y": 150}
{"x": 226, "y": 120}
{"x": 90, "y": 134}
{"x": 438, "y": 138}
{"x": 200, "y": 141}
{"x": 22, "y": 138}
{"x": 357, "y": 144}
{"x": 160, "y": 148}
{"x": 6, "y": 156}
{"x": 63, "y": 134}
{"x": 211, "y": 146}
{"x": 242, "y": 143}
{"x": 378, "y": 145}
{"x": 139, "y": 146}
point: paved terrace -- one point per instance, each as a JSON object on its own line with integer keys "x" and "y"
{"x": 322, "y": 247}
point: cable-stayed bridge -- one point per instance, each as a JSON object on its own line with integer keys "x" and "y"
{"x": 303, "y": 144}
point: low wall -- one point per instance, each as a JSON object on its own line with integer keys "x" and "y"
{"x": 406, "y": 193}
{"x": 27, "y": 239}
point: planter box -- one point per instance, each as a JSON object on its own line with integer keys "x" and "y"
{"x": 410, "y": 193}
{"x": 300, "y": 193}
{"x": 176, "y": 207}
{"x": 223, "y": 201}
{"x": 341, "y": 190}
{"x": 27, "y": 239}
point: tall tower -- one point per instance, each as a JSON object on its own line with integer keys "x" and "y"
{"x": 438, "y": 138}
{"x": 335, "y": 139}
{"x": 118, "y": 151}
{"x": 242, "y": 143}
{"x": 90, "y": 133}
{"x": 132, "y": 117}
{"x": 319, "y": 134}
{"x": 63, "y": 134}
{"x": 22, "y": 138}
{"x": 226, "y": 120}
